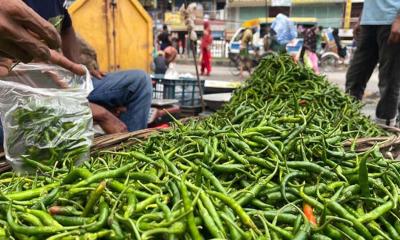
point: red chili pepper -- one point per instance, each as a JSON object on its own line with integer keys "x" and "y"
{"x": 309, "y": 212}
{"x": 303, "y": 102}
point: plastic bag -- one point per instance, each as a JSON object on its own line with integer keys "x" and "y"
{"x": 45, "y": 116}
{"x": 284, "y": 28}
{"x": 171, "y": 72}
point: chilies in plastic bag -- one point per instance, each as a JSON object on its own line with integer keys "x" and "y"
{"x": 45, "y": 116}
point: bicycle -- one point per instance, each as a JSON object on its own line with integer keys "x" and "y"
{"x": 234, "y": 64}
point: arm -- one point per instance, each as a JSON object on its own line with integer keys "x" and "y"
{"x": 70, "y": 44}
{"x": 108, "y": 122}
{"x": 71, "y": 48}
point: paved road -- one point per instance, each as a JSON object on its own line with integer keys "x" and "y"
{"x": 217, "y": 73}
{"x": 338, "y": 78}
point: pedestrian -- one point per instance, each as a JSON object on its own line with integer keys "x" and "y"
{"x": 266, "y": 39}
{"x": 283, "y": 31}
{"x": 164, "y": 38}
{"x": 174, "y": 41}
{"x": 341, "y": 51}
{"x": 160, "y": 63}
{"x": 245, "y": 44}
{"x": 164, "y": 59}
{"x": 309, "y": 51}
{"x": 379, "y": 41}
{"x": 180, "y": 48}
{"x": 206, "y": 42}
{"x": 320, "y": 39}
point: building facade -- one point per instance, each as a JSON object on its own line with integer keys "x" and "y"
{"x": 330, "y": 13}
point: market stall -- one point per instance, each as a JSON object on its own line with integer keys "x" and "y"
{"x": 289, "y": 157}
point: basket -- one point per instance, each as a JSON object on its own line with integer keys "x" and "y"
{"x": 185, "y": 90}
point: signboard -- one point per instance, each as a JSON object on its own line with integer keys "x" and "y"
{"x": 173, "y": 19}
{"x": 281, "y": 3}
{"x": 248, "y": 3}
{"x": 259, "y": 3}
{"x": 299, "y": 2}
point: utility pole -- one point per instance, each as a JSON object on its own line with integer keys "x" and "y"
{"x": 347, "y": 16}
{"x": 188, "y": 15}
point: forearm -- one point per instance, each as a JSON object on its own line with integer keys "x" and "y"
{"x": 70, "y": 45}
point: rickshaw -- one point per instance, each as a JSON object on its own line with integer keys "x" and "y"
{"x": 263, "y": 24}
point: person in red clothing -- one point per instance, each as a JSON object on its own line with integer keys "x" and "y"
{"x": 205, "y": 46}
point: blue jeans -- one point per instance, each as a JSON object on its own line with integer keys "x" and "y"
{"x": 130, "y": 89}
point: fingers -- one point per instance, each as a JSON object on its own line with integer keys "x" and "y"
{"x": 58, "y": 59}
{"x": 24, "y": 34}
{"x": 27, "y": 41}
{"x": 32, "y": 21}
{"x": 96, "y": 74}
{"x": 394, "y": 38}
{"x": 122, "y": 109}
{"x": 391, "y": 39}
{"x": 11, "y": 50}
{"x": 119, "y": 110}
{"x": 5, "y": 65}
{"x": 57, "y": 79}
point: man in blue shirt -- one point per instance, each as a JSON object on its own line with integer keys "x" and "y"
{"x": 130, "y": 91}
{"x": 379, "y": 41}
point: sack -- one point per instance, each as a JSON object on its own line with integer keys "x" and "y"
{"x": 284, "y": 28}
{"x": 45, "y": 116}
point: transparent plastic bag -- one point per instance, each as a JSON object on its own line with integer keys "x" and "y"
{"x": 284, "y": 28}
{"x": 45, "y": 116}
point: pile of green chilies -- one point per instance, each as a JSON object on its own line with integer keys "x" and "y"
{"x": 269, "y": 165}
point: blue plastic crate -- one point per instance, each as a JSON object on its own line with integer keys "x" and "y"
{"x": 185, "y": 90}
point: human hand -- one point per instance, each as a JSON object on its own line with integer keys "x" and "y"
{"x": 60, "y": 60}
{"x": 394, "y": 37}
{"x": 97, "y": 73}
{"x": 24, "y": 35}
{"x": 118, "y": 110}
{"x": 59, "y": 81}
{"x": 55, "y": 58}
{"x": 357, "y": 31}
{"x": 108, "y": 122}
{"x": 5, "y": 65}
